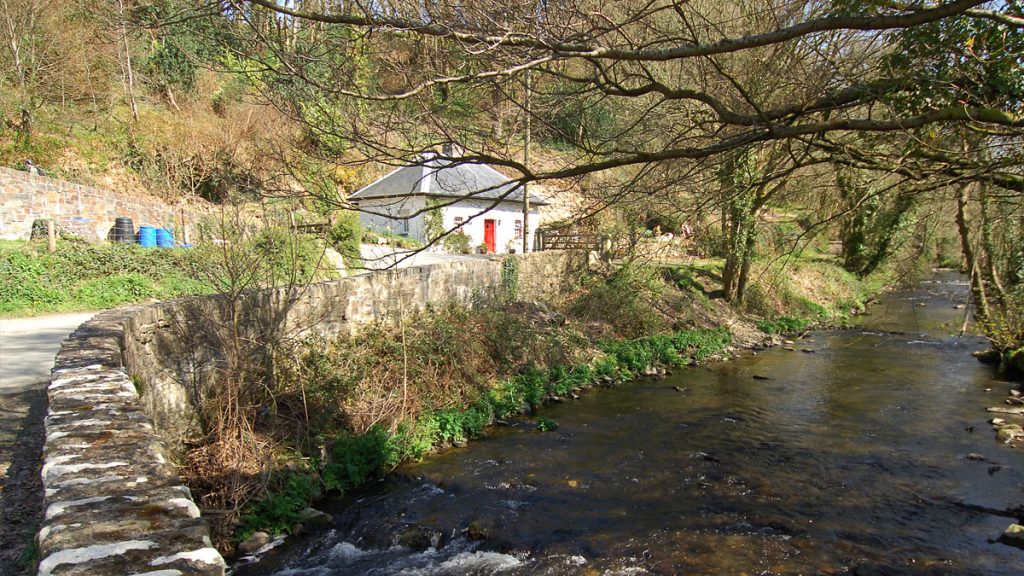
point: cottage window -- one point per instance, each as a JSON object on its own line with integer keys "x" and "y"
{"x": 519, "y": 229}
{"x": 403, "y": 222}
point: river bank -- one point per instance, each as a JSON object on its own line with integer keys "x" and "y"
{"x": 854, "y": 457}
{"x": 365, "y": 404}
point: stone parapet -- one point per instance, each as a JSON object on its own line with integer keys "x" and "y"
{"x": 114, "y": 504}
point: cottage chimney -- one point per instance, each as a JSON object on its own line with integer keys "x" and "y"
{"x": 452, "y": 150}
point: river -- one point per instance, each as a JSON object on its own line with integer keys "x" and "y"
{"x": 849, "y": 458}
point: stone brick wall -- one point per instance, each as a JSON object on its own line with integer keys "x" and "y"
{"x": 173, "y": 347}
{"x": 123, "y": 391}
{"x": 113, "y": 502}
{"x": 82, "y": 210}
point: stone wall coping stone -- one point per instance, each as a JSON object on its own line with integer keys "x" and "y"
{"x": 114, "y": 504}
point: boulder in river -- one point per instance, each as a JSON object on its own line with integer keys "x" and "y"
{"x": 1009, "y": 432}
{"x": 989, "y": 356}
{"x": 254, "y": 542}
{"x": 480, "y": 530}
{"x": 1013, "y": 536}
{"x": 313, "y": 518}
{"x": 416, "y": 537}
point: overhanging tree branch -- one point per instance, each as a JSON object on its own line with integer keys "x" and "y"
{"x": 509, "y": 38}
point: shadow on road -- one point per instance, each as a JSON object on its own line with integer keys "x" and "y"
{"x": 21, "y": 490}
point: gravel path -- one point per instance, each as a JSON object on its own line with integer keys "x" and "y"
{"x": 27, "y": 348}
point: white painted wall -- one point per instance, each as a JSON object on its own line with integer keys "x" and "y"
{"x": 473, "y": 213}
{"x": 505, "y": 215}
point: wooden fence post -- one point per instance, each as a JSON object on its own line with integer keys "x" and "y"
{"x": 51, "y": 236}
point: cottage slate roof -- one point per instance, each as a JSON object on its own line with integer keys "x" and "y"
{"x": 445, "y": 178}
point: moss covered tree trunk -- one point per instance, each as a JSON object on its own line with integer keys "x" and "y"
{"x": 981, "y": 308}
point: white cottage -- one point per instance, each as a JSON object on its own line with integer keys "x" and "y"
{"x": 471, "y": 195}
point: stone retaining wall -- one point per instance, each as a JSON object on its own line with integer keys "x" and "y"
{"x": 114, "y": 502}
{"x": 123, "y": 391}
{"x": 81, "y": 210}
{"x": 173, "y": 347}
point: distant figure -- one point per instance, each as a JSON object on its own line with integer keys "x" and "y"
{"x": 32, "y": 169}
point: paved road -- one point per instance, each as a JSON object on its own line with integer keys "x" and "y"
{"x": 382, "y": 257}
{"x": 27, "y": 348}
{"x": 28, "y": 345}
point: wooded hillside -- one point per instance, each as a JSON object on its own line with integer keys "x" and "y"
{"x": 891, "y": 129}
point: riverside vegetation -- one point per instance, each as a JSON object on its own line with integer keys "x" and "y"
{"x": 347, "y": 410}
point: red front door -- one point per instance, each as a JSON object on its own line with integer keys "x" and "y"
{"x": 489, "y": 235}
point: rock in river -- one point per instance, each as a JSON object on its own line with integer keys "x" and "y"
{"x": 989, "y": 356}
{"x": 254, "y": 542}
{"x": 1009, "y": 432}
{"x": 313, "y": 518}
{"x": 1014, "y": 536}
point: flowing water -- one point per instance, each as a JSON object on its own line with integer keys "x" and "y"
{"x": 850, "y": 459}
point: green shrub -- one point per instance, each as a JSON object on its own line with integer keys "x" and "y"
{"x": 282, "y": 257}
{"x": 457, "y": 243}
{"x": 545, "y": 424}
{"x": 624, "y": 300}
{"x": 672, "y": 349}
{"x": 113, "y": 291}
{"x": 414, "y": 439}
{"x": 358, "y": 458}
{"x": 450, "y": 427}
{"x": 346, "y": 235}
{"x": 682, "y": 278}
{"x": 510, "y": 278}
{"x": 783, "y": 325}
{"x": 278, "y": 510}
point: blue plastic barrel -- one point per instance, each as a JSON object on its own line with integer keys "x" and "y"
{"x": 147, "y": 236}
{"x": 164, "y": 238}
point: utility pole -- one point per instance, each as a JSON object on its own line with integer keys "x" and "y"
{"x": 526, "y": 162}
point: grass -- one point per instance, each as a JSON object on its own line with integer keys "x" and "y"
{"x": 82, "y": 276}
{"x": 393, "y": 239}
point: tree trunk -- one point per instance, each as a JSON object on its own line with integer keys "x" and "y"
{"x": 739, "y": 248}
{"x": 748, "y": 252}
{"x": 988, "y": 249}
{"x": 977, "y": 283}
{"x": 129, "y": 74}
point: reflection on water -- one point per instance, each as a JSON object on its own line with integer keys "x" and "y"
{"x": 850, "y": 457}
